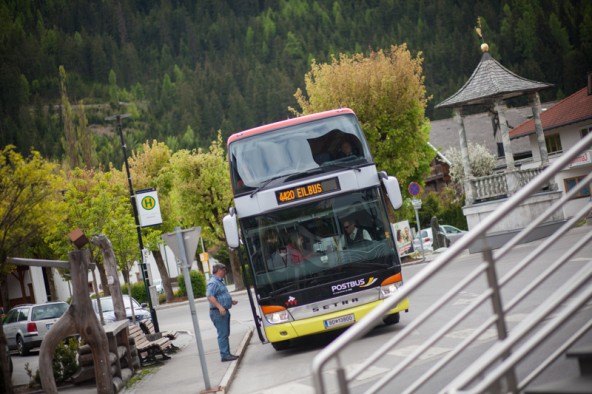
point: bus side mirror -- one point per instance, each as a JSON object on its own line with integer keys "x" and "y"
{"x": 391, "y": 184}
{"x": 231, "y": 229}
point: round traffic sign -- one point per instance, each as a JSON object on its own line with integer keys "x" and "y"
{"x": 414, "y": 188}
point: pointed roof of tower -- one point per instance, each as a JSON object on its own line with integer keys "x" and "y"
{"x": 491, "y": 81}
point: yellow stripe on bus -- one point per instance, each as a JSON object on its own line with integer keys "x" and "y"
{"x": 315, "y": 325}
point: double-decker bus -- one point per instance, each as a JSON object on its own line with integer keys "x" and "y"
{"x": 311, "y": 207}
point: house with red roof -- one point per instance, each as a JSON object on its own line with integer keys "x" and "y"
{"x": 564, "y": 125}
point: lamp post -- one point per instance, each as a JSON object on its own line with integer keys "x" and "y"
{"x": 143, "y": 267}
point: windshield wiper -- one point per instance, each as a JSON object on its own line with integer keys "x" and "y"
{"x": 343, "y": 165}
{"x": 281, "y": 289}
{"x": 303, "y": 174}
{"x": 267, "y": 182}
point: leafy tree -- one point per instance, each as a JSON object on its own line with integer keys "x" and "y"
{"x": 148, "y": 169}
{"x": 481, "y": 160}
{"x": 29, "y": 206}
{"x": 98, "y": 204}
{"x": 386, "y": 91}
{"x": 201, "y": 194}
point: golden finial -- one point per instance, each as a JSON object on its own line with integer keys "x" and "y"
{"x": 484, "y": 46}
{"x": 478, "y": 28}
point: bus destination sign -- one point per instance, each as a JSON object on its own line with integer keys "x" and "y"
{"x": 305, "y": 191}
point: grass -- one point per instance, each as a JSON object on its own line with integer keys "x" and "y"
{"x": 140, "y": 375}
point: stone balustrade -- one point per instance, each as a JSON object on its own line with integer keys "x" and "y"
{"x": 502, "y": 184}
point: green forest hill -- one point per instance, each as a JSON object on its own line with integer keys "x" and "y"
{"x": 185, "y": 69}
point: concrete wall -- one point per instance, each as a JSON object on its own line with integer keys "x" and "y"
{"x": 520, "y": 217}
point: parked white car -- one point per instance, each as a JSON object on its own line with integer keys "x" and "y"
{"x": 25, "y": 325}
{"x": 426, "y": 240}
{"x": 452, "y": 234}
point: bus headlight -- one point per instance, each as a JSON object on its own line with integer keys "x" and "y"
{"x": 389, "y": 286}
{"x": 275, "y": 314}
{"x": 387, "y": 291}
{"x": 278, "y": 317}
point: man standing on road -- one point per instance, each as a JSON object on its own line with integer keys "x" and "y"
{"x": 220, "y": 303}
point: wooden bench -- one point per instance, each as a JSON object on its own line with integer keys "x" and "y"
{"x": 148, "y": 328}
{"x": 149, "y": 349}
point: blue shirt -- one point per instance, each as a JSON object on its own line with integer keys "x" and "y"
{"x": 218, "y": 289}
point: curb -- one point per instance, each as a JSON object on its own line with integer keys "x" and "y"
{"x": 231, "y": 372}
{"x": 197, "y": 300}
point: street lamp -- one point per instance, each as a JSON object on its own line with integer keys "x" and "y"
{"x": 143, "y": 267}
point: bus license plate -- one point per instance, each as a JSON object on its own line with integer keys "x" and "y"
{"x": 340, "y": 321}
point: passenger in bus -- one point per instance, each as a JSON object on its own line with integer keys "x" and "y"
{"x": 296, "y": 250}
{"x": 354, "y": 234}
{"x": 346, "y": 150}
{"x": 275, "y": 255}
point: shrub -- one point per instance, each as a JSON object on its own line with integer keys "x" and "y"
{"x": 198, "y": 284}
{"x": 64, "y": 363}
{"x": 138, "y": 292}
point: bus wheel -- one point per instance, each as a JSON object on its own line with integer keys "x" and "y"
{"x": 283, "y": 345}
{"x": 391, "y": 319}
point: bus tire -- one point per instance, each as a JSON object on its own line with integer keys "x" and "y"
{"x": 391, "y": 319}
{"x": 283, "y": 345}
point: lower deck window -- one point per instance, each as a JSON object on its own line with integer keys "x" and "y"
{"x": 570, "y": 183}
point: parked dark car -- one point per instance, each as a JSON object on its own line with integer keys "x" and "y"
{"x": 109, "y": 310}
{"x": 25, "y": 326}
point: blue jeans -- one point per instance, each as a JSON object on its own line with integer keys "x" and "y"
{"x": 222, "y": 324}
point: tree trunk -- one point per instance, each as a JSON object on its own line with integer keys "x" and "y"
{"x": 103, "y": 276}
{"x": 164, "y": 275}
{"x": 79, "y": 318}
{"x": 113, "y": 279}
{"x": 239, "y": 283}
{"x": 4, "y": 292}
{"x": 5, "y": 378}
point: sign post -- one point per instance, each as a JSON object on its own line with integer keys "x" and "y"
{"x": 184, "y": 244}
{"x": 143, "y": 267}
{"x": 414, "y": 190}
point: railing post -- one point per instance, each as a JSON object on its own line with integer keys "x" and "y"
{"x": 341, "y": 378}
{"x": 498, "y": 309}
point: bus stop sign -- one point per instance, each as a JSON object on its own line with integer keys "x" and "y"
{"x": 414, "y": 188}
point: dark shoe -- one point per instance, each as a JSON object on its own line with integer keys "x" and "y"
{"x": 232, "y": 357}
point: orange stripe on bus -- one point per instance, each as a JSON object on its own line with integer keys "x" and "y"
{"x": 267, "y": 309}
{"x": 392, "y": 279}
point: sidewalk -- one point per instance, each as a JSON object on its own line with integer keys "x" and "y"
{"x": 182, "y": 373}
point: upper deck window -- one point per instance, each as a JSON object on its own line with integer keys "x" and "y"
{"x": 327, "y": 143}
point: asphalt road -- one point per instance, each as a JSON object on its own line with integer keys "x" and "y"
{"x": 263, "y": 370}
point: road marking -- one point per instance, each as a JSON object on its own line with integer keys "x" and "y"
{"x": 433, "y": 351}
{"x": 461, "y": 334}
{"x": 292, "y": 388}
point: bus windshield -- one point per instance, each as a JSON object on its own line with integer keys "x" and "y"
{"x": 319, "y": 242}
{"x": 306, "y": 148}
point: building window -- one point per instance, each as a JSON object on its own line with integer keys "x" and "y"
{"x": 570, "y": 183}
{"x": 585, "y": 132}
{"x": 553, "y": 142}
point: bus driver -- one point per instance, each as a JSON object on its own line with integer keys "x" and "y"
{"x": 353, "y": 233}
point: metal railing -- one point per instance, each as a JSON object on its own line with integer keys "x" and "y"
{"x": 495, "y": 369}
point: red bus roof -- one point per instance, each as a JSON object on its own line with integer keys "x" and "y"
{"x": 288, "y": 122}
